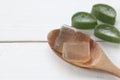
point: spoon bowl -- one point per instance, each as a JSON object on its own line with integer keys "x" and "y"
{"x": 99, "y": 60}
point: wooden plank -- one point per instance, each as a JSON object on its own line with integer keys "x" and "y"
{"x": 33, "y": 21}
{"x": 37, "y": 61}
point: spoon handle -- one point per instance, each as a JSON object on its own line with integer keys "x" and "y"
{"x": 116, "y": 72}
{"x": 106, "y": 65}
{"x": 110, "y": 67}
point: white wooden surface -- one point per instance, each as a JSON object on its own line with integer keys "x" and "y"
{"x": 32, "y": 20}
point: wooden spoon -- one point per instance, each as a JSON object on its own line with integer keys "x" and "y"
{"x": 98, "y": 60}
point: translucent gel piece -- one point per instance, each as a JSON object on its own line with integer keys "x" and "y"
{"x": 78, "y": 52}
{"x": 69, "y": 35}
{"x": 84, "y": 18}
{"x": 107, "y": 10}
